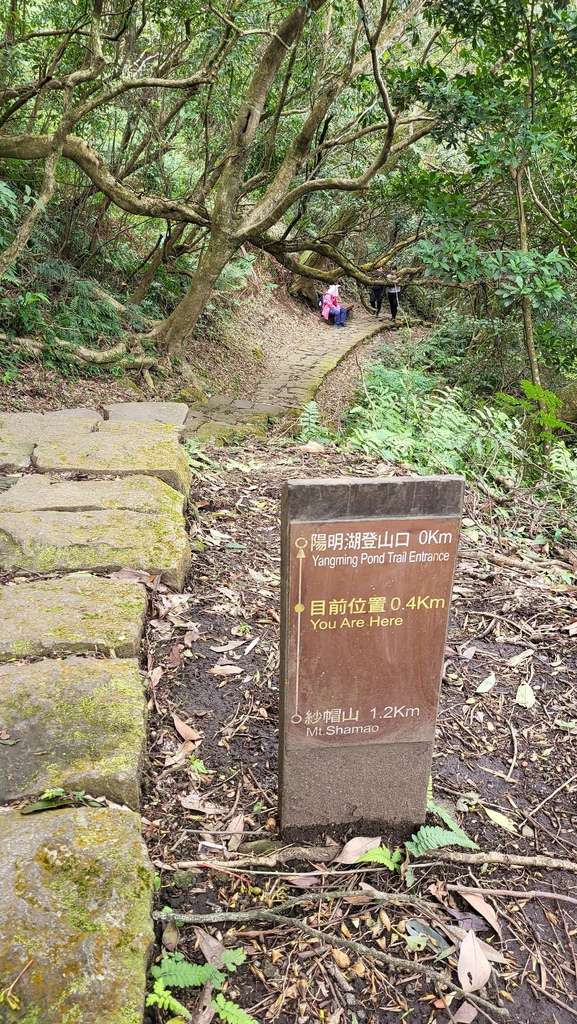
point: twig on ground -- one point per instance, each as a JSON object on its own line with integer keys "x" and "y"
{"x": 259, "y": 913}
{"x": 504, "y": 860}
{"x": 554, "y": 999}
{"x": 520, "y": 894}
{"x": 549, "y": 797}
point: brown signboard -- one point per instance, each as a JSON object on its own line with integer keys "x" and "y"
{"x": 367, "y": 575}
{"x": 369, "y": 601}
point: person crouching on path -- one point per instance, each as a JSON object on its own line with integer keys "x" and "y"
{"x": 393, "y": 292}
{"x": 332, "y": 307}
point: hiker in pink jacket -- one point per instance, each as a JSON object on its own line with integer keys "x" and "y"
{"x": 332, "y": 307}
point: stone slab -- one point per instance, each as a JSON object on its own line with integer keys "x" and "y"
{"x": 32, "y": 426}
{"x": 75, "y": 898}
{"x": 41, "y": 493}
{"x": 147, "y": 412}
{"x": 104, "y": 542}
{"x": 15, "y": 455}
{"x": 78, "y": 723}
{"x": 119, "y": 449}
{"x": 71, "y": 615}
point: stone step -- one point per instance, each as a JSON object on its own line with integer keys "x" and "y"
{"x": 101, "y": 541}
{"x": 71, "y": 615}
{"x": 78, "y": 723}
{"x": 75, "y": 899}
{"x": 41, "y": 493}
{"x": 147, "y": 412}
{"x": 118, "y": 449}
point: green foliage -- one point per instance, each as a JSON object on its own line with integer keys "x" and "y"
{"x": 174, "y": 971}
{"x": 230, "y": 1012}
{"x": 382, "y": 855}
{"x": 164, "y": 999}
{"x": 310, "y": 425}
{"x": 177, "y": 972}
{"x": 432, "y": 837}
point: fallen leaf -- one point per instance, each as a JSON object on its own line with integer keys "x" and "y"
{"x": 312, "y": 448}
{"x": 228, "y": 647}
{"x": 487, "y": 684}
{"x": 476, "y": 901}
{"x": 525, "y": 695}
{"x": 170, "y": 937}
{"x": 352, "y": 850}
{"x": 302, "y": 881}
{"x": 341, "y": 958}
{"x": 465, "y": 1014}
{"x": 469, "y": 653}
{"x": 467, "y": 920}
{"x": 517, "y": 659}
{"x": 180, "y": 755}
{"x": 212, "y": 949}
{"x": 194, "y": 802}
{"x": 185, "y": 730}
{"x": 474, "y": 969}
{"x": 225, "y": 670}
{"x": 174, "y": 659}
{"x": 501, "y": 819}
{"x": 490, "y": 952}
{"x": 132, "y": 576}
{"x": 235, "y": 830}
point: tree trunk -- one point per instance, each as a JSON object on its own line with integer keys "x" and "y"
{"x": 525, "y": 300}
{"x": 160, "y": 255}
{"x": 173, "y": 333}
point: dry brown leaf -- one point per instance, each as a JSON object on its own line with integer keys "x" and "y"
{"x": 132, "y": 576}
{"x": 174, "y": 659}
{"x": 225, "y": 670}
{"x": 180, "y": 755}
{"x": 235, "y": 830}
{"x": 155, "y": 676}
{"x": 354, "y": 849}
{"x": 465, "y": 1014}
{"x": 194, "y": 802}
{"x": 228, "y": 647}
{"x": 212, "y": 949}
{"x": 302, "y": 881}
{"x": 170, "y": 937}
{"x": 517, "y": 659}
{"x": 341, "y": 958}
{"x": 476, "y": 901}
{"x": 312, "y": 448}
{"x": 474, "y": 969}
{"x": 184, "y": 730}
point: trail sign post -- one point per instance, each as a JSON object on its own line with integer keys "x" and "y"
{"x": 367, "y": 571}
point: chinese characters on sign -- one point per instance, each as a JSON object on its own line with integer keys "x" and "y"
{"x": 368, "y": 607}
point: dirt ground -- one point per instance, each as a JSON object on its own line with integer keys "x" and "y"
{"x": 507, "y": 771}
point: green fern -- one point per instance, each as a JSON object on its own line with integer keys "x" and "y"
{"x": 233, "y": 958}
{"x": 176, "y": 972}
{"x": 310, "y": 426}
{"x": 163, "y": 998}
{"x": 382, "y": 855}
{"x": 432, "y": 837}
{"x": 229, "y": 1012}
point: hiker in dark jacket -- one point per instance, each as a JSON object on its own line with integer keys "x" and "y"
{"x": 377, "y": 295}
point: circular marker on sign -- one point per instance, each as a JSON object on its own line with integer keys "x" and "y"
{"x": 301, "y": 542}
{"x": 296, "y": 719}
{"x": 299, "y": 607}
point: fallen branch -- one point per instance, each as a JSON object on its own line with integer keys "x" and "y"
{"x": 504, "y": 860}
{"x": 520, "y": 894}
{"x": 82, "y": 356}
{"x": 398, "y": 963}
{"x": 310, "y": 855}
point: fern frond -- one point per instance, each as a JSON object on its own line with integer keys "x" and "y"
{"x": 231, "y": 1013}
{"x": 176, "y": 972}
{"x": 382, "y": 855}
{"x": 432, "y": 837}
{"x": 163, "y": 998}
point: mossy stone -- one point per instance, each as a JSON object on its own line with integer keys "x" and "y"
{"x": 227, "y": 433}
{"x": 78, "y": 723}
{"x": 75, "y": 898}
{"x": 71, "y": 615}
{"x": 41, "y": 493}
{"x": 100, "y": 541}
{"x": 119, "y": 449}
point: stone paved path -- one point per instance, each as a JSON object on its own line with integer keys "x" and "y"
{"x": 294, "y": 382}
{"x": 82, "y": 496}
